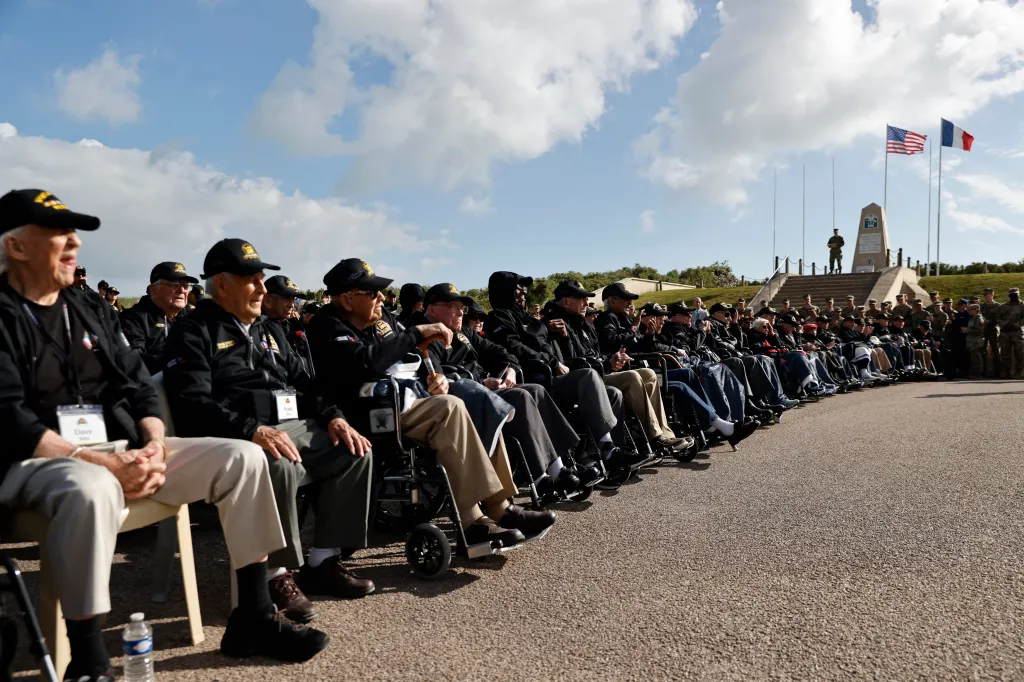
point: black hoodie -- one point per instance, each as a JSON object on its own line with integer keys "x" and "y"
{"x": 512, "y": 327}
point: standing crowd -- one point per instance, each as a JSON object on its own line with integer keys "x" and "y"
{"x": 268, "y": 400}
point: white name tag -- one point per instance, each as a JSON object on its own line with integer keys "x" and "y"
{"x": 82, "y": 424}
{"x": 287, "y": 405}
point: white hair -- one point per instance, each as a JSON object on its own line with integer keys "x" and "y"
{"x": 4, "y": 260}
{"x": 211, "y": 287}
{"x": 759, "y": 324}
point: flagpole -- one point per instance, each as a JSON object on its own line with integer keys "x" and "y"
{"x": 803, "y": 199}
{"x": 833, "y": 190}
{"x": 928, "y": 267}
{"x": 938, "y": 215}
{"x": 885, "y": 190}
{"x": 775, "y": 202}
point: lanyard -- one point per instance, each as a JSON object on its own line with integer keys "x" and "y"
{"x": 64, "y": 353}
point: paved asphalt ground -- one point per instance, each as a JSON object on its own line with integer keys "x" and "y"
{"x": 877, "y": 535}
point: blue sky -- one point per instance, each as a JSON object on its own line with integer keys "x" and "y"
{"x": 340, "y": 128}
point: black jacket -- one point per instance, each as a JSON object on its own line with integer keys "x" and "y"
{"x": 130, "y": 393}
{"x": 580, "y": 341}
{"x": 680, "y": 336}
{"x": 722, "y": 341}
{"x": 213, "y": 388}
{"x": 346, "y": 357}
{"x": 147, "y": 328}
{"x": 510, "y": 326}
{"x": 615, "y": 332}
{"x": 472, "y": 356}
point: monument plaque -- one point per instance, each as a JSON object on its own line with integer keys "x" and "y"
{"x": 872, "y": 240}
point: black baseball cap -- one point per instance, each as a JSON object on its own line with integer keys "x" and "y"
{"x": 988, "y": 290}
{"x": 618, "y": 290}
{"x": 172, "y": 271}
{"x": 103, "y": 284}
{"x": 882, "y": 316}
{"x": 653, "y": 310}
{"x": 766, "y": 311}
{"x": 354, "y": 273}
{"x": 719, "y": 307}
{"x": 80, "y": 271}
{"x": 445, "y": 293}
{"x": 591, "y": 310}
{"x": 475, "y": 311}
{"x": 279, "y": 285}
{"x": 570, "y": 288}
{"x": 679, "y": 308}
{"x": 947, "y": 300}
{"x": 21, "y": 207}
{"x": 788, "y": 319}
{"x": 896, "y": 318}
{"x": 925, "y": 323}
{"x": 849, "y": 318}
{"x": 199, "y": 290}
{"x": 233, "y": 256}
{"x": 113, "y": 290}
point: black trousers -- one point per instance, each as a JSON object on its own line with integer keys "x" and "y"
{"x": 539, "y": 426}
{"x": 599, "y": 405}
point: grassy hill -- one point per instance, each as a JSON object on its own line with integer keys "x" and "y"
{"x": 709, "y": 295}
{"x": 965, "y": 286}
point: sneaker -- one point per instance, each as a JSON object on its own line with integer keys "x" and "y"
{"x": 270, "y": 635}
{"x": 528, "y": 522}
{"x": 485, "y": 530}
{"x": 332, "y": 579}
{"x": 288, "y": 598}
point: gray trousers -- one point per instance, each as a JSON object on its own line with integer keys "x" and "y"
{"x": 539, "y": 426}
{"x": 343, "y": 503}
{"x": 599, "y": 404}
{"x": 84, "y": 503}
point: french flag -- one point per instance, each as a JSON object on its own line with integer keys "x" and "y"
{"x": 956, "y": 137}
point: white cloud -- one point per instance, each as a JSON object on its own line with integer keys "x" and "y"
{"x": 473, "y": 82}
{"x": 167, "y": 206}
{"x": 647, "y": 221}
{"x": 788, "y": 76}
{"x": 1009, "y": 196}
{"x": 105, "y": 89}
{"x": 477, "y": 207}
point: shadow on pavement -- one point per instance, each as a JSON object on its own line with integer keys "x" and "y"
{"x": 969, "y": 395}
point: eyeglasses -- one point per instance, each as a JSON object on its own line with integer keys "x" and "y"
{"x": 184, "y": 286}
{"x": 364, "y": 292}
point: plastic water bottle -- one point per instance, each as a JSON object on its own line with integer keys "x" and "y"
{"x": 138, "y": 650}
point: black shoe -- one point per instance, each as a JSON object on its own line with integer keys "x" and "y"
{"x": 616, "y": 468}
{"x": 567, "y": 482}
{"x": 485, "y": 529}
{"x": 270, "y": 635}
{"x": 588, "y": 473}
{"x": 528, "y": 522}
{"x": 634, "y": 459}
{"x": 101, "y": 674}
{"x": 740, "y": 432}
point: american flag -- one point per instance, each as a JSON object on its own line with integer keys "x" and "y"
{"x": 899, "y": 141}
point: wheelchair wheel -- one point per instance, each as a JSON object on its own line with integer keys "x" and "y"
{"x": 428, "y": 552}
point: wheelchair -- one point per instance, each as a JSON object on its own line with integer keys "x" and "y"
{"x": 411, "y": 491}
{"x": 9, "y": 626}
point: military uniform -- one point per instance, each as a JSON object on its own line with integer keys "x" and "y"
{"x": 808, "y": 311}
{"x": 903, "y": 310}
{"x": 917, "y": 317}
{"x": 990, "y": 311}
{"x": 976, "y": 346}
{"x": 850, "y": 310}
{"x": 872, "y": 313}
{"x": 835, "y": 253}
{"x": 1010, "y": 318}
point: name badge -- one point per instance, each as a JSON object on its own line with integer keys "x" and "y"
{"x": 287, "y": 405}
{"x": 82, "y": 424}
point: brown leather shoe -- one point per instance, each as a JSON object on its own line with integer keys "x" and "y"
{"x": 332, "y": 579}
{"x": 288, "y": 599}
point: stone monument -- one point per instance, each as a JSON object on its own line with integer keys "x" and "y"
{"x": 872, "y": 241}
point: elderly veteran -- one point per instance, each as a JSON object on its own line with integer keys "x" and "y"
{"x": 84, "y": 435}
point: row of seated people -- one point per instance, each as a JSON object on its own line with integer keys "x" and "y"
{"x": 255, "y": 420}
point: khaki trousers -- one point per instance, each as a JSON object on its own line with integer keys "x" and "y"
{"x": 642, "y": 394}
{"x": 882, "y": 359}
{"x": 84, "y": 503}
{"x": 442, "y": 423}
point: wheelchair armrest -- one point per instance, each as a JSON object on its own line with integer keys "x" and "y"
{"x": 536, "y": 372}
{"x": 660, "y": 365}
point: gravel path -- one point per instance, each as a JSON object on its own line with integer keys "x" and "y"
{"x": 894, "y": 555}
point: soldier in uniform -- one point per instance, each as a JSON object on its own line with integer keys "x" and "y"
{"x": 975, "y": 342}
{"x": 808, "y": 309}
{"x": 872, "y": 312}
{"x": 851, "y": 307}
{"x": 829, "y": 310}
{"x": 835, "y": 252}
{"x": 917, "y": 315}
{"x": 901, "y": 309}
{"x": 990, "y": 311}
{"x": 940, "y": 331}
{"x": 1010, "y": 319}
{"x": 934, "y": 298}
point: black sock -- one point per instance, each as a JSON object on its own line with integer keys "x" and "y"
{"x": 88, "y": 655}
{"x": 253, "y": 592}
